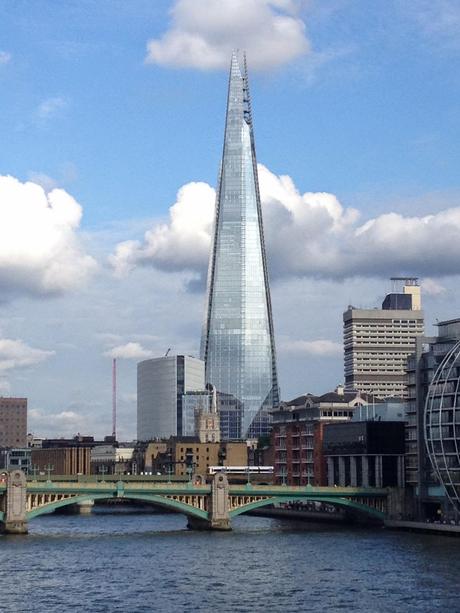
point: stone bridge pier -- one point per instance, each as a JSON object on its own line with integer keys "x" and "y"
{"x": 218, "y": 507}
{"x": 15, "y": 508}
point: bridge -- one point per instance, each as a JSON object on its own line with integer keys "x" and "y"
{"x": 207, "y": 505}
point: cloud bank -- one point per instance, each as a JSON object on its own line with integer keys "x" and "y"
{"x": 129, "y": 351}
{"x": 17, "y": 354}
{"x": 307, "y": 235}
{"x": 203, "y": 37}
{"x": 40, "y": 252}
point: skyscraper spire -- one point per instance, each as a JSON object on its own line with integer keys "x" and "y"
{"x": 238, "y": 341}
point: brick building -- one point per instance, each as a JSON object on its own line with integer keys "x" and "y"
{"x": 298, "y": 431}
{"x": 13, "y": 422}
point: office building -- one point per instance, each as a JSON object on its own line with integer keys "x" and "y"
{"x": 378, "y": 342}
{"x": 161, "y": 385}
{"x": 237, "y": 342}
{"x": 365, "y": 454}
{"x": 13, "y": 422}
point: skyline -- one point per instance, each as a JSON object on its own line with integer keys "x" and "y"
{"x": 357, "y": 137}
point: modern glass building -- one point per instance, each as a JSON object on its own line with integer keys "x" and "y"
{"x": 442, "y": 416}
{"x": 238, "y": 342}
{"x": 161, "y": 385}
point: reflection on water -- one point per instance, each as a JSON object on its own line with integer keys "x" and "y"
{"x": 136, "y": 561}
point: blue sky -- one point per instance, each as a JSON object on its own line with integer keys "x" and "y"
{"x": 358, "y": 103}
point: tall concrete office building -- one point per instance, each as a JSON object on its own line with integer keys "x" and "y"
{"x": 378, "y": 342}
{"x": 161, "y": 384}
{"x": 238, "y": 342}
{"x": 13, "y": 422}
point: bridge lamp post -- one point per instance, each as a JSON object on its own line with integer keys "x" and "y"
{"x": 35, "y": 469}
{"x": 103, "y": 470}
{"x": 49, "y": 469}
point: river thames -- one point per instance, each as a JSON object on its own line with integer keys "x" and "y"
{"x": 136, "y": 561}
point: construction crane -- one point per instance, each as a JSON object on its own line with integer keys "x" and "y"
{"x": 166, "y": 354}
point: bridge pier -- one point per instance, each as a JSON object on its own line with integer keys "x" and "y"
{"x": 219, "y": 508}
{"x": 15, "y": 519}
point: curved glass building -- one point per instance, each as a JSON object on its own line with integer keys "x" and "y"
{"x": 442, "y": 423}
{"x": 237, "y": 342}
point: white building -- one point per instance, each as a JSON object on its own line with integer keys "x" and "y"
{"x": 378, "y": 342}
{"x": 161, "y": 384}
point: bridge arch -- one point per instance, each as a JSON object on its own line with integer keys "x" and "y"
{"x": 167, "y": 503}
{"x": 335, "y": 501}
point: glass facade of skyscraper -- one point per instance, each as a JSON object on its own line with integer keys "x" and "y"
{"x": 237, "y": 343}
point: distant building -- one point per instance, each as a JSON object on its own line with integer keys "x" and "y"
{"x": 365, "y": 454}
{"x": 161, "y": 385}
{"x": 61, "y": 460}
{"x": 378, "y": 342}
{"x": 187, "y": 455}
{"x": 298, "y": 430}
{"x": 13, "y": 422}
{"x": 14, "y": 458}
{"x": 207, "y": 423}
{"x": 112, "y": 459}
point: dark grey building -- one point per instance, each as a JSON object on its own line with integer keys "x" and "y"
{"x": 365, "y": 453}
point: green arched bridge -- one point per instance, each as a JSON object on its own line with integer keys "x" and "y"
{"x": 210, "y": 505}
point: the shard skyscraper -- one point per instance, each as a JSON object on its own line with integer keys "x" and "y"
{"x": 238, "y": 342}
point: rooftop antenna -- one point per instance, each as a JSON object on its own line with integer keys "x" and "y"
{"x": 114, "y": 398}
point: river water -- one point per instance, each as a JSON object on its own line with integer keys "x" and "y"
{"x": 136, "y": 561}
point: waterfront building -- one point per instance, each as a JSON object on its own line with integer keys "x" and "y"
{"x": 298, "y": 431}
{"x": 161, "y": 385}
{"x": 378, "y": 342}
{"x": 13, "y": 422}
{"x": 424, "y": 479}
{"x": 365, "y": 454}
{"x": 238, "y": 342}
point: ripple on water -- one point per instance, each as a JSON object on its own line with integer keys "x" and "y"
{"x": 139, "y": 562}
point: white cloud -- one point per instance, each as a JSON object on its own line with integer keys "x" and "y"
{"x": 40, "y": 251}
{"x": 16, "y": 354}
{"x": 5, "y": 57}
{"x": 51, "y": 106}
{"x": 307, "y": 235}
{"x": 320, "y": 347}
{"x": 183, "y": 243}
{"x": 63, "y": 423}
{"x": 432, "y": 287}
{"x": 129, "y": 351}
{"x": 203, "y": 34}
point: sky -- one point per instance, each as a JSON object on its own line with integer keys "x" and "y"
{"x": 111, "y": 130}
